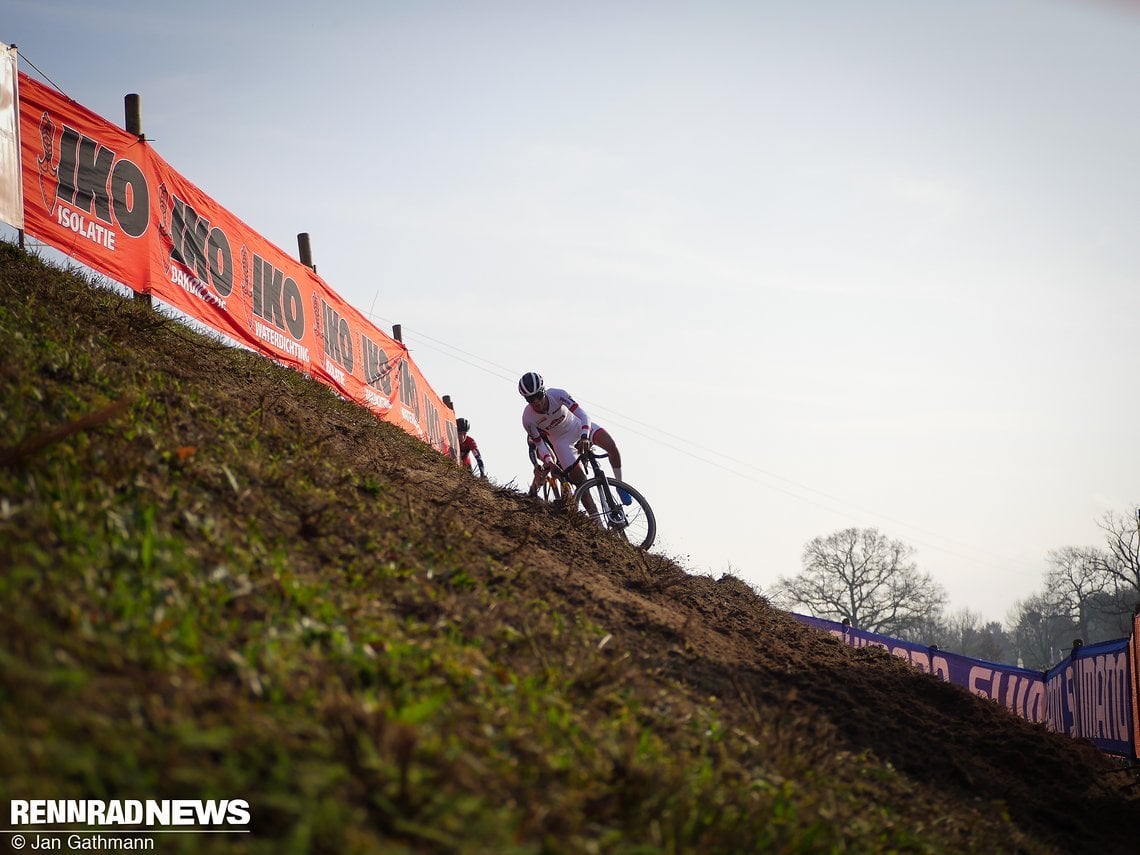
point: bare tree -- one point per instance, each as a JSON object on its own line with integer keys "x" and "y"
{"x": 994, "y": 644}
{"x": 1075, "y": 574}
{"x": 1042, "y": 631}
{"x": 968, "y": 633}
{"x": 928, "y": 629}
{"x": 1094, "y": 587}
{"x": 963, "y": 633}
{"x": 1122, "y": 560}
{"x": 861, "y": 575}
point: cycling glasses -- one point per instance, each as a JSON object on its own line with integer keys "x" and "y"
{"x": 537, "y": 396}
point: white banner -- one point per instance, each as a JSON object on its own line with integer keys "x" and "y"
{"x": 11, "y": 184}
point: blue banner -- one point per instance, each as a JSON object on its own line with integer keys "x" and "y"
{"x": 1088, "y": 695}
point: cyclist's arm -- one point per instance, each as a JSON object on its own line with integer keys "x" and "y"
{"x": 541, "y": 453}
{"x": 540, "y": 471}
{"x": 561, "y": 396}
{"x": 536, "y": 439}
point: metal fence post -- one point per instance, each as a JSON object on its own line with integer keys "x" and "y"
{"x": 305, "y": 251}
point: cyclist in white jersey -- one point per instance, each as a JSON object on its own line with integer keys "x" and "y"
{"x": 558, "y": 429}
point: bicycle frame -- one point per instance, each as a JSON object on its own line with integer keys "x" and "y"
{"x": 605, "y": 499}
{"x": 613, "y": 507}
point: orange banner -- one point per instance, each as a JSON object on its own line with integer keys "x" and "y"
{"x": 85, "y": 186}
{"x": 103, "y": 197}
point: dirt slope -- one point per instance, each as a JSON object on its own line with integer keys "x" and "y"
{"x": 239, "y": 461}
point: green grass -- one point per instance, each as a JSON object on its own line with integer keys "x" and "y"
{"x": 237, "y": 586}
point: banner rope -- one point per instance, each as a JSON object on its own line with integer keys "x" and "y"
{"x": 24, "y": 57}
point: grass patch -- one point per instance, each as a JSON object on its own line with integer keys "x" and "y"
{"x": 222, "y": 581}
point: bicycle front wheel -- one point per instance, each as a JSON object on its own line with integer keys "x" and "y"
{"x": 633, "y": 522}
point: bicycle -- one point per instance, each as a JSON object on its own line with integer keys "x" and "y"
{"x": 634, "y": 522}
{"x": 547, "y": 485}
{"x": 550, "y": 488}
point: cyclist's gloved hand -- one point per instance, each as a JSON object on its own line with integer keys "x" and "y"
{"x": 583, "y": 444}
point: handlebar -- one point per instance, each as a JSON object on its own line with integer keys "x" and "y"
{"x": 588, "y": 454}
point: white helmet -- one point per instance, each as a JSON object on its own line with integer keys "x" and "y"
{"x": 531, "y": 385}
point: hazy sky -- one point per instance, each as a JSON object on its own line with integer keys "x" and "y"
{"x": 814, "y": 264}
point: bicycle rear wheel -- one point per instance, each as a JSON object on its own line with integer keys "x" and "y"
{"x": 634, "y": 522}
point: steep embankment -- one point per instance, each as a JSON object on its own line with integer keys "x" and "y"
{"x": 221, "y": 581}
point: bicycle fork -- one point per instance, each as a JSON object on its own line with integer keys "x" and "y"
{"x": 614, "y": 513}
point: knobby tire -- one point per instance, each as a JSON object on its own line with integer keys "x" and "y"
{"x": 641, "y": 526}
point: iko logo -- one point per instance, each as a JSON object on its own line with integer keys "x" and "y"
{"x": 92, "y": 179}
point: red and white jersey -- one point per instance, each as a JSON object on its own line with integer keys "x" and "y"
{"x": 564, "y": 422}
{"x": 466, "y": 447}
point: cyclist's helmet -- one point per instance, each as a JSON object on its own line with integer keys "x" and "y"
{"x": 531, "y": 384}
{"x": 462, "y": 425}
